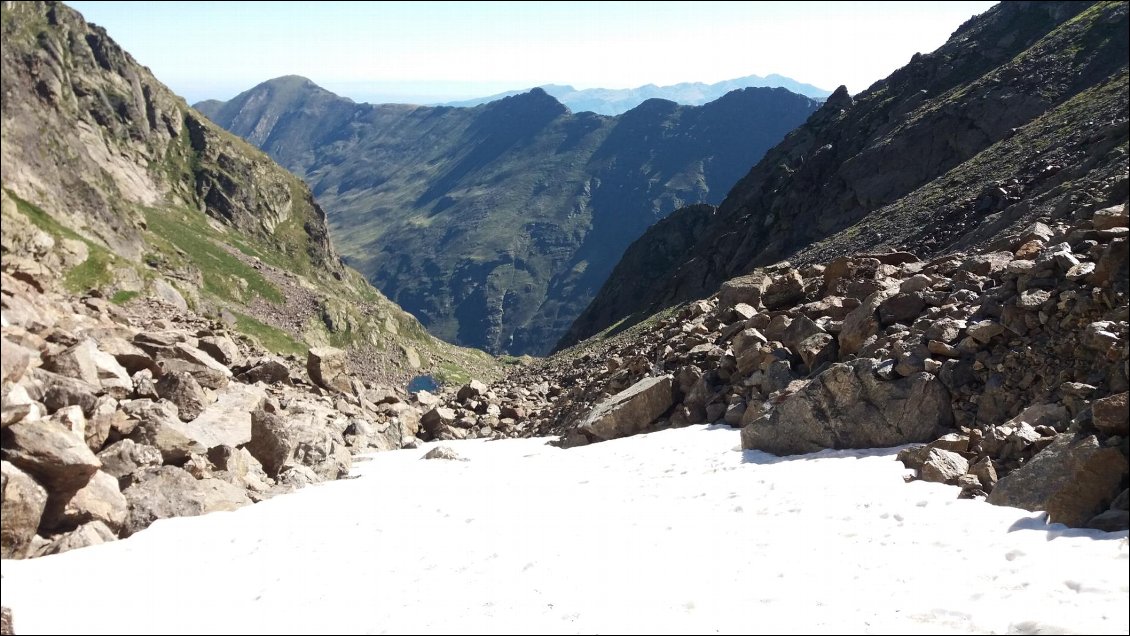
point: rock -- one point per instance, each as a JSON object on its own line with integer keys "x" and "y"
{"x": 168, "y": 491}
{"x": 99, "y": 500}
{"x": 943, "y": 466}
{"x": 185, "y": 357}
{"x": 6, "y": 627}
{"x": 58, "y": 391}
{"x": 848, "y": 406}
{"x": 296, "y": 477}
{"x": 54, "y": 456}
{"x": 945, "y": 330}
{"x": 785, "y": 290}
{"x": 228, "y": 419}
{"x": 435, "y": 420}
{"x": 21, "y": 511}
{"x": 133, "y": 358}
{"x": 14, "y": 360}
{"x": 471, "y": 390}
{"x": 159, "y": 425}
{"x": 222, "y": 349}
{"x": 442, "y": 452}
{"x": 327, "y": 368}
{"x": 1033, "y": 299}
{"x": 744, "y": 289}
{"x": 629, "y": 412}
{"x": 799, "y": 329}
{"x": 169, "y": 294}
{"x": 1110, "y": 521}
{"x": 986, "y": 473}
{"x": 268, "y": 371}
{"x": 817, "y": 350}
{"x": 106, "y": 418}
{"x": 984, "y": 331}
{"x": 862, "y": 322}
{"x": 1110, "y": 218}
{"x": 238, "y": 466}
{"x": 93, "y": 533}
{"x": 180, "y": 388}
{"x": 299, "y": 439}
{"x": 904, "y": 307}
{"x": 126, "y": 457}
{"x": 84, "y": 361}
{"x": 1111, "y": 415}
{"x": 1053, "y": 415}
{"x": 1072, "y": 479}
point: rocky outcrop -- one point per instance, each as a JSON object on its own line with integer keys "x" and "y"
{"x": 168, "y": 491}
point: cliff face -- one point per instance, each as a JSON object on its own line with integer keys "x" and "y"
{"x": 92, "y": 136}
{"x": 1021, "y": 112}
{"x": 497, "y": 224}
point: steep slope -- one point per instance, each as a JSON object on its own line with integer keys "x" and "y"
{"x": 495, "y": 225}
{"x": 1021, "y": 115}
{"x": 135, "y": 190}
{"x": 614, "y": 101}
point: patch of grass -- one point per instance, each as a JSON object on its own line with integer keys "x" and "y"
{"x": 271, "y": 338}
{"x": 451, "y": 374}
{"x": 191, "y": 234}
{"x": 123, "y": 296}
{"x": 94, "y": 272}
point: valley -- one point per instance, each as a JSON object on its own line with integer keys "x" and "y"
{"x": 867, "y": 371}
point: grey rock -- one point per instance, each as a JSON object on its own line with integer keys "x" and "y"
{"x": 1072, "y": 479}
{"x": 20, "y": 512}
{"x": 168, "y": 491}
{"x": 180, "y": 388}
{"x": 629, "y": 412}
{"x": 943, "y": 466}
{"x": 93, "y": 533}
{"x": 54, "y": 456}
{"x": 442, "y": 452}
{"x": 848, "y": 406}
{"x": 124, "y": 458}
{"x": 327, "y": 367}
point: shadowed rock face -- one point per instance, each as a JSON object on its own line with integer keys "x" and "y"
{"x": 956, "y": 148}
{"x": 495, "y": 225}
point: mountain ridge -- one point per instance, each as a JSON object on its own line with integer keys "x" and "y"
{"x": 867, "y": 171}
{"x": 495, "y": 224}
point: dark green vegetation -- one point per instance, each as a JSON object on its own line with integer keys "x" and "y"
{"x": 1020, "y": 116}
{"x": 495, "y": 225}
{"x": 131, "y": 187}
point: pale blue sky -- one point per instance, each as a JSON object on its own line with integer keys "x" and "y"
{"x": 427, "y": 52}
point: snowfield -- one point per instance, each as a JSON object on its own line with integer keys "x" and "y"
{"x": 672, "y": 532}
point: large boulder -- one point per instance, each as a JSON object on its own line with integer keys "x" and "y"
{"x": 180, "y": 388}
{"x": 1073, "y": 479}
{"x": 158, "y": 424}
{"x": 21, "y": 511}
{"x": 223, "y": 349}
{"x": 850, "y": 406}
{"x": 327, "y": 367}
{"x": 185, "y": 357}
{"x": 297, "y": 440}
{"x": 168, "y": 491}
{"x": 84, "y": 361}
{"x": 99, "y": 500}
{"x": 53, "y": 455}
{"x": 631, "y": 411}
{"x": 228, "y": 419}
{"x": 436, "y": 420}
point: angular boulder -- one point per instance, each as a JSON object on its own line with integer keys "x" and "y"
{"x": 54, "y": 456}
{"x": 168, "y": 491}
{"x": 1073, "y": 479}
{"x": 20, "y": 512}
{"x": 849, "y": 406}
{"x": 327, "y": 367}
{"x": 631, "y": 411}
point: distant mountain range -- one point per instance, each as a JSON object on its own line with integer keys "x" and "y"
{"x": 495, "y": 225}
{"x": 614, "y": 101}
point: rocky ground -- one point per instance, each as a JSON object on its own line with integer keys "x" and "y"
{"x": 1010, "y": 362}
{"x": 114, "y": 417}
